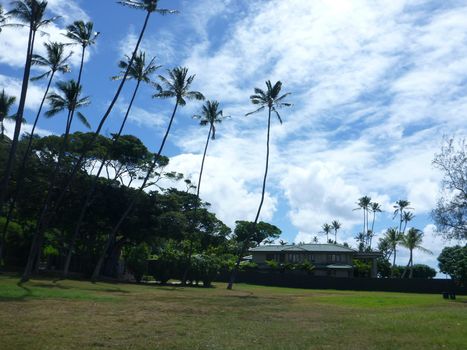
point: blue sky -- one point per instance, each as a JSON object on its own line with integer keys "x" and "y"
{"x": 375, "y": 86}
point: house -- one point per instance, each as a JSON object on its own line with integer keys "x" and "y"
{"x": 329, "y": 259}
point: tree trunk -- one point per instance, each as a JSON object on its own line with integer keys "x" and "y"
{"x": 130, "y": 207}
{"x": 233, "y": 275}
{"x": 19, "y": 119}
{"x": 90, "y": 194}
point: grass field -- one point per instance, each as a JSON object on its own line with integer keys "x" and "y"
{"x": 80, "y": 315}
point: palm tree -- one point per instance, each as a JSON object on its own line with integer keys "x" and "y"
{"x": 375, "y": 208}
{"x": 400, "y": 206}
{"x": 150, "y": 6}
{"x": 3, "y": 18}
{"x": 407, "y": 216}
{"x": 364, "y": 204}
{"x": 210, "y": 115}
{"x": 55, "y": 61}
{"x": 6, "y": 102}
{"x": 413, "y": 240}
{"x": 336, "y": 225}
{"x": 30, "y": 14}
{"x": 140, "y": 72}
{"x": 326, "y": 229}
{"x": 393, "y": 237}
{"x": 272, "y": 100}
{"x": 176, "y": 86}
{"x": 66, "y": 101}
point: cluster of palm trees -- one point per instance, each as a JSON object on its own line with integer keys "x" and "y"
{"x": 329, "y": 228}
{"x": 68, "y": 98}
{"x": 365, "y": 237}
{"x": 395, "y": 236}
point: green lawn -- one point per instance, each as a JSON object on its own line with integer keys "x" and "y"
{"x": 80, "y": 315}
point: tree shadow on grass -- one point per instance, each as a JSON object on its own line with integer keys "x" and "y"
{"x": 26, "y": 293}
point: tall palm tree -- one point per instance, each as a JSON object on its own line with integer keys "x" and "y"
{"x": 413, "y": 240}
{"x": 327, "y": 230}
{"x": 150, "y": 6}
{"x": 336, "y": 225}
{"x": 140, "y": 72}
{"x": 375, "y": 208}
{"x": 30, "y": 14}
{"x": 399, "y": 208}
{"x": 364, "y": 204}
{"x": 176, "y": 86}
{"x": 393, "y": 237}
{"x": 6, "y": 102}
{"x": 66, "y": 100}
{"x": 407, "y": 216}
{"x": 272, "y": 100}
{"x": 210, "y": 115}
{"x": 55, "y": 61}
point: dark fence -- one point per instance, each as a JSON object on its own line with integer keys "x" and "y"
{"x": 293, "y": 280}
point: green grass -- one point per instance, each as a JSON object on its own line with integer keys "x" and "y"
{"x": 79, "y": 315}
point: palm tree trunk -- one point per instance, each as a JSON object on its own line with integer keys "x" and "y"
{"x": 93, "y": 140}
{"x": 113, "y": 233}
{"x": 408, "y": 266}
{"x": 19, "y": 119}
{"x": 237, "y": 265}
{"x": 21, "y": 173}
{"x": 202, "y": 162}
{"x": 90, "y": 194}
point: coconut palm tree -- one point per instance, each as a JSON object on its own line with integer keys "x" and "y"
{"x": 327, "y": 230}
{"x": 375, "y": 208}
{"x": 407, "y": 216}
{"x": 364, "y": 205}
{"x": 210, "y": 115}
{"x": 177, "y": 86}
{"x": 6, "y": 102}
{"x": 336, "y": 225}
{"x": 30, "y": 14}
{"x": 140, "y": 72}
{"x": 272, "y": 100}
{"x": 393, "y": 238}
{"x": 66, "y": 100}
{"x": 55, "y": 61}
{"x": 399, "y": 208}
{"x": 413, "y": 240}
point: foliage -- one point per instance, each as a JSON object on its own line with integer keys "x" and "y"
{"x": 453, "y": 261}
{"x": 361, "y": 268}
{"x": 136, "y": 259}
{"x": 450, "y": 214}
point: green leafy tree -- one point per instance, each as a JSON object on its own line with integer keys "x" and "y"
{"x": 450, "y": 214}
{"x": 248, "y": 235}
{"x": 136, "y": 259}
{"x": 6, "y": 102}
{"x": 29, "y": 13}
{"x": 413, "y": 240}
{"x": 178, "y": 87}
{"x": 453, "y": 261}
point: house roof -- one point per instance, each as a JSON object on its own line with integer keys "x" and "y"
{"x": 328, "y": 248}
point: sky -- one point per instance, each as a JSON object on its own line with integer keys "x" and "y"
{"x": 375, "y": 86}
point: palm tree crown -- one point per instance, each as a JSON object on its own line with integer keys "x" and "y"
{"x": 6, "y": 102}
{"x": 400, "y": 206}
{"x": 54, "y": 61}
{"x": 147, "y": 5}
{"x": 178, "y": 86}
{"x": 413, "y": 240}
{"x": 67, "y": 100}
{"x": 270, "y": 98}
{"x": 82, "y": 33}
{"x": 326, "y": 229}
{"x": 211, "y": 115}
{"x": 30, "y": 13}
{"x": 138, "y": 71}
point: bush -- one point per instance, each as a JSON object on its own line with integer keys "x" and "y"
{"x": 136, "y": 259}
{"x": 453, "y": 261}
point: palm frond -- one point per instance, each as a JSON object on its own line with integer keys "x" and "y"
{"x": 83, "y": 120}
{"x": 256, "y": 111}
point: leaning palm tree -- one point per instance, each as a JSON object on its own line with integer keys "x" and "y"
{"x": 140, "y": 72}
{"x": 150, "y": 6}
{"x": 210, "y": 115}
{"x": 413, "y": 240}
{"x": 6, "y": 102}
{"x": 272, "y": 100}
{"x": 364, "y": 204}
{"x": 67, "y": 100}
{"x": 393, "y": 238}
{"x": 336, "y": 225}
{"x": 30, "y": 14}
{"x": 407, "y": 216}
{"x": 176, "y": 86}
{"x": 55, "y": 61}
